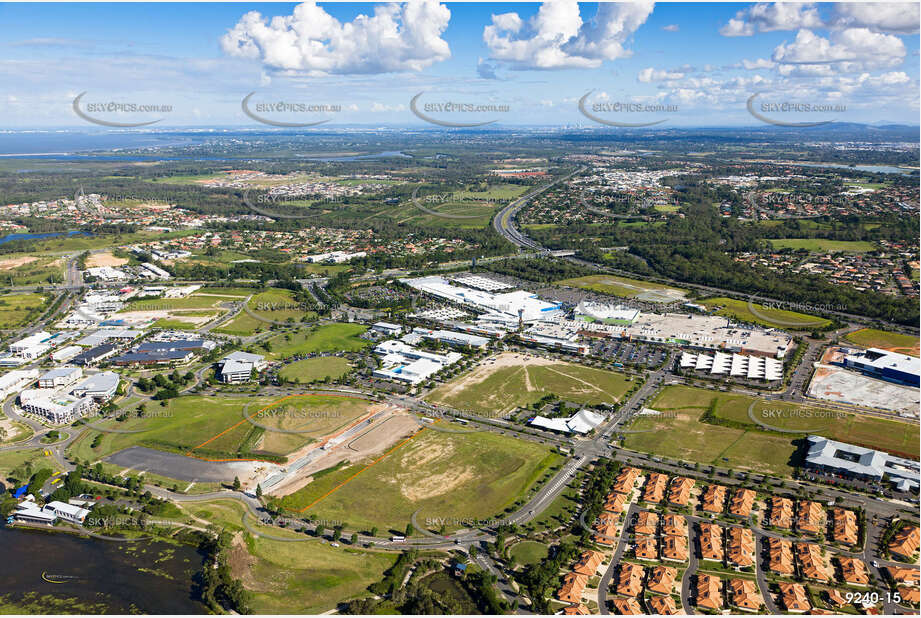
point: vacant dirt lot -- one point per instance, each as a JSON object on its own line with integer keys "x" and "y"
{"x": 104, "y": 259}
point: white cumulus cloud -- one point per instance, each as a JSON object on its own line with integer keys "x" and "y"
{"x": 895, "y": 17}
{"x": 853, "y": 49}
{"x": 397, "y": 37}
{"x": 767, "y": 17}
{"x": 657, "y": 75}
{"x": 558, "y": 38}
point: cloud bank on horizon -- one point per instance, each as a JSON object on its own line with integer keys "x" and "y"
{"x": 539, "y": 57}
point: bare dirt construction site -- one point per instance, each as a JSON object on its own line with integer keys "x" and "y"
{"x": 104, "y": 258}
{"x": 371, "y": 436}
{"x": 490, "y": 366}
{"x": 836, "y": 384}
{"x": 11, "y": 263}
{"x": 193, "y": 317}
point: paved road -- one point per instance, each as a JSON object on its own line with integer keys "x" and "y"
{"x": 693, "y": 563}
{"x": 605, "y": 582}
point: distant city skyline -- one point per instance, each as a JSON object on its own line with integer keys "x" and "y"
{"x": 559, "y": 63}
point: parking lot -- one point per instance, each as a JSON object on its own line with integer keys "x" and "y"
{"x": 627, "y": 353}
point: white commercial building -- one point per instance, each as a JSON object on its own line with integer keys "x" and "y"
{"x": 101, "y": 386}
{"x": 581, "y": 422}
{"x": 405, "y": 363}
{"x": 57, "y": 407}
{"x": 59, "y": 377}
{"x": 31, "y": 347}
{"x": 609, "y": 314}
{"x": 107, "y": 273}
{"x": 67, "y": 512}
{"x": 508, "y": 307}
{"x": 153, "y": 271}
{"x": 386, "y": 328}
{"x": 558, "y": 336}
{"x": 65, "y": 354}
{"x": 238, "y": 367}
{"x": 446, "y": 336}
{"x": 734, "y": 365}
{"x": 334, "y": 257}
{"x": 16, "y": 380}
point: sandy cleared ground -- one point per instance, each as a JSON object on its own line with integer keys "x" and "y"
{"x": 487, "y": 367}
{"x": 376, "y": 439}
{"x": 104, "y": 259}
{"x": 12, "y": 263}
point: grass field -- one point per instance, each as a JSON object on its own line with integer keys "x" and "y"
{"x": 214, "y": 427}
{"x": 476, "y": 207}
{"x": 336, "y": 337}
{"x": 316, "y": 369}
{"x": 447, "y": 477}
{"x": 269, "y": 306}
{"x": 768, "y": 316}
{"x": 682, "y": 435}
{"x": 308, "y": 578}
{"x": 896, "y": 342}
{"x": 490, "y": 390}
{"x": 624, "y": 287}
{"x": 17, "y": 460}
{"x": 821, "y": 245}
{"x": 16, "y": 309}
{"x": 528, "y": 552}
{"x": 45, "y": 269}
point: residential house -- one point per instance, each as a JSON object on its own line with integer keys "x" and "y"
{"x": 588, "y": 563}
{"x": 655, "y": 487}
{"x": 811, "y": 562}
{"x": 793, "y": 598}
{"x": 644, "y": 547}
{"x": 742, "y": 502}
{"x": 680, "y": 491}
{"x": 713, "y": 499}
{"x": 780, "y": 556}
{"x": 853, "y": 571}
{"x": 571, "y": 590}
{"x": 844, "y": 526}
{"x": 707, "y": 593}
{"x": 630, "y": 579}
{"x": 662, "y": 605}
{"x": 711, "y": 542}
{"x": 743, "y": 594}
{"x": 646, "y": 523}
{"x": 904, "y": 543}
{"x": 810, "y": 517}
{"x": 675, "y": 548}
{"x": 627, "y": 607}
{"x": 780, "y": 512}
{"x": 662, "y": 579}
{"x": 740, "y": 547}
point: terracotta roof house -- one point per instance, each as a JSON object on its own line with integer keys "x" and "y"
{"x": 711, "y": 542}
{"x": 836, "y": 598}
{"x": 625, "y": 480}
{"x": 644, "y": 547}
{"x": 655, "y": 487}
{"x": 588, "y": 563}
{"x": 713, "y": 499}
{"x": 904, "y": 543}
{"x": 571, "y": 590}
{"x": 743, "y": 593}
{"x": 904, "y": 575}
{"x": 780, "y": 556}
{"x": 627, "y": 607}
{"x": 844, "y": 526}
{"x": 707, "y": 592}
{"x": 576, "y": 610}
{"x": 615, "y": 503}
{"x": 646, "y": 522}
{"x": 740, "y": 547}
{"x": 675, "y": 548}
{"x": 630, "y": 579}
{"x": 793, "y": 598}
{"x": 662, "y": 605}
{"x": 661, "y": 579}
{"x": 811, "y": 562}
{"x": 674, "y": 524}
{"x": 853, "y": 571}
{"x": 810, "y": 517}
{"x": 912, "y": 596}
{"x": 742, "y": 502}
{"x": 780, "y": 512}
{"x": 680, "y": 491}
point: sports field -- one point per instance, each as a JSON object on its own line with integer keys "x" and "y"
{"x": 628, "y": 288}
{"x": 315, "y": 369}
{"x": 507, "y": 381}
{"x": 680, "y": 433}
{"x": 766, "y": 316}
{"x": 822, "y": 245}
{"x": 447, "y": 477}
{"x": 885, "y": 340}
{"x": 335, "y": 337}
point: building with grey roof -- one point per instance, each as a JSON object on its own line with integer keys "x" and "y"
{"x": 886, "y": 365}
{"x": 861, "y": 463}
{"x": 238, "y": 367}
{"x": 101, "y": 386}
{"x": 59, "y": 377}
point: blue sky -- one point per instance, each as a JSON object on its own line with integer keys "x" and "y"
{"x": 526, "y": 63}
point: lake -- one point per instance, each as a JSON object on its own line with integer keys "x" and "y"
{"x": 100, "y": 576}
{"x": 12, "y": 237}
